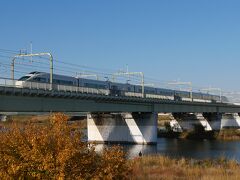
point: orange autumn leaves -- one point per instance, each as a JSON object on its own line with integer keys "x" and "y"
{"x": 55, "y": 150}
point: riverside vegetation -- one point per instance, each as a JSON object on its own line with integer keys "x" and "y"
{"x": 199, "y": 132}
{"x": 161, "y": 167}
{"x": 55, "y": 150}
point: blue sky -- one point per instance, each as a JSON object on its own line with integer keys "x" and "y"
{"x": 190, "y": 40}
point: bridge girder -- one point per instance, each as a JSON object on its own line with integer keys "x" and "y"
{"x": 87, "y": 103}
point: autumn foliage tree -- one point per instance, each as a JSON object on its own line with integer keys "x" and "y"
{"x": 55, "y": 150}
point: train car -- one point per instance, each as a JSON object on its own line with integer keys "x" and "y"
{"x": 115, "y": 89}
{"x": 90, "y": 83}
{"x": 165, "y": 93}
{"x": 41, "y": 77}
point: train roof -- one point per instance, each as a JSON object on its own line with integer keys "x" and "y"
{"x": 35, "y": 72}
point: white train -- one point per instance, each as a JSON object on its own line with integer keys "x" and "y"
{"x": 116, "y": 89}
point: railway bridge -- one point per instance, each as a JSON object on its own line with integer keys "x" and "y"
{"x": 111, "y": 118}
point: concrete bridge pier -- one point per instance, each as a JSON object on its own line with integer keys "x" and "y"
{"x": 3, "y": 117}
{"x": 214, "y": 119}
{"x": 230, "y": 120}
{"x": 224, "y": 120}
{"x": 187, "y": 121}
{"x": 134, "y": 128}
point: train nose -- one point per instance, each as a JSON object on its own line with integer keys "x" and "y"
{"x": 19, "y": 83}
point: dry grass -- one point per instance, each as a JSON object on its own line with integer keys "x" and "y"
{"x": 229, "y": 134}
{"x": 22, "y": 120}
{"x": 39, "y": 120}
{"x": 160, "y": 167}
{"x": 26, "y": 118}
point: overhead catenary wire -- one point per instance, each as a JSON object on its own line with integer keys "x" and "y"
{"x": 67, "y": 72}
{"x": 71, "y": 69}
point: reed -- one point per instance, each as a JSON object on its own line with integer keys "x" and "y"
{"x": 161, "y": 167}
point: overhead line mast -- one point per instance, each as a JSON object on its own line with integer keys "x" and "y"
{"x": 80, "y": 75}
{"x": 31, "y": 55}
{"x": 214, "y": 89}
{"x": 131, "y": 73}
{"x": 184, "y": 83}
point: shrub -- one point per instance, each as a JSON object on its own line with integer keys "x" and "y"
{"x": 55, "y": 151}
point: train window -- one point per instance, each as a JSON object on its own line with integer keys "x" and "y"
{"x": 101, "y": 86}
{"x": 165, "y": 93}
{"x": 36, "y": 79}
{"x": 114, "y": 87}
{"x": 42, "y": 79}
{"x": 24, "y": 78}
{"x": 61, "y": 82}
{"x": 91, "y": 85}
{"x": 68, "y": 82}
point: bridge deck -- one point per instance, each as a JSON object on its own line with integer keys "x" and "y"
{"x": 39, "y": 100}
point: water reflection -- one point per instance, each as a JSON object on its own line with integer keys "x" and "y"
{"x": 186, "y": 148}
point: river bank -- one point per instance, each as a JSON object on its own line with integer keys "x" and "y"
{"x": 224, "y": 134}
{"x": 162, "y": 167}
{"x": 198, "y": 132}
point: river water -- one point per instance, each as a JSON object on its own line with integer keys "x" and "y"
{"x": 205, "y": 149}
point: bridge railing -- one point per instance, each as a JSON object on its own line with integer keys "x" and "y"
{"x": 157, "y": 96}
{"x": 7, "y": 82}
{"x": 132, "y": 94}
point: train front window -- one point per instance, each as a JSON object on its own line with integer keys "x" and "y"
{"x": 24, "y": 78}
{"x": 39, "y": 79}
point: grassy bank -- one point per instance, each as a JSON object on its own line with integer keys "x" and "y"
{"x": 160, "y": 167}
{"x": 225, "y": 134}
{"x": 199, "y": 133}
{"x": 22, "y": 120}
{"x": 229, "y": 134}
